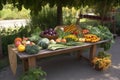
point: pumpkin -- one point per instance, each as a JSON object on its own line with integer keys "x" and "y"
{"x": 63, "y": 40}
{"x": 44, "y": 42}
{"x": 58, "y": 40}
{"x": 21, "y": 48}
{"x": 32, "y": 49}
{"x": 18, "y": 39}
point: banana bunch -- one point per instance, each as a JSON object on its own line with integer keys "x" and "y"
{"x": 71, "y": 37}
{"x": 91, "y": 38}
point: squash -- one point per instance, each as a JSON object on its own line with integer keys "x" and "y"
{"x": 32, "y": 49}
{"x": 44, "y": 42}
{"x": 21, "y": 48}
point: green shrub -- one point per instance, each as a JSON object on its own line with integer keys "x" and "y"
{"x": 46, "y": 18}
{"x": 117, "y": 23}
{"x": 33, "y": 74}
{"x": 9, "y": 12}
{"x": 69, "y": 15}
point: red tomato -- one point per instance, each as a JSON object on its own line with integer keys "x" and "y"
{"x": 75, "y": 33}
{"x": 85, "y": 31}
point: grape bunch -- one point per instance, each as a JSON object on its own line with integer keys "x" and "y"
{"x": 49, "y": 32}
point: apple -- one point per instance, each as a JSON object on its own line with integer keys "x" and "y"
{"x": 17, "y": 43}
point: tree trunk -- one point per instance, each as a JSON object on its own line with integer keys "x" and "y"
{"x": 59, "y": 15}
{"x": 1, "y": 54}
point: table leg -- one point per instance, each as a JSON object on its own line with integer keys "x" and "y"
{"x": 79, "y": 54}
{"x": 92, "y": 52}
{"x": 25, "y": 64}
{"x": 32, "y": 62}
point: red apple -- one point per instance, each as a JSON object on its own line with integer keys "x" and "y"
{"x": 17, "y": 43}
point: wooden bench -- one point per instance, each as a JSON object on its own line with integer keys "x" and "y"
{"x": 29, "y": 61}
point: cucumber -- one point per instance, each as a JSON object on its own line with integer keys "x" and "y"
{"x": 56, "y": 46}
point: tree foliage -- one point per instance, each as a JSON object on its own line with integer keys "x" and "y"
{"x": 36, "y": 5}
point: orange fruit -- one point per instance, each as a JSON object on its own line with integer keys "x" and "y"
{"x": 63, "y": 40}
{"x": 18, "y": 39}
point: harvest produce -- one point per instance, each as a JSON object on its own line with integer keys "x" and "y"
{"x": 21, "y": 48}
{"x": 71, "y": 37}
{"x": 73, "y": 43}
{"x": 104, "y": 34}
{"x": 44, "y": 42}
{"x": 34, "y": 38}
{"x": 49, "y": 33}
{"x": 17, "y": 43}
{"x": 18, "y": 39}
{"x": 57, "y": 46}
{"x": 85, "y": 31}
{"x": 102, "y": 62}
{"x": 32, "y": 49}
{"x": 91, "y": 38}
{"x": 70, "y": 28}
{"x": 62, "y": 33}
{"x": 60, "y": 40}
{"x": 52, "y": 41}
{"x": 81, "y": 39}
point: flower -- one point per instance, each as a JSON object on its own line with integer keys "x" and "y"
{"x": 103, "y": 62}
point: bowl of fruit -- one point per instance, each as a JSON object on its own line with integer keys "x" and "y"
{"x": 49, "y": 33}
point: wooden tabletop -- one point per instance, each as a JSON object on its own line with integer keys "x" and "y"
{"x": 45, "y": 53}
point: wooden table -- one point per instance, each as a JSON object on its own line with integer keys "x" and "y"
{"x": 29, "y": 61}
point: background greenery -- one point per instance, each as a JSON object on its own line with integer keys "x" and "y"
{"x": 9, "y": 12}
{"x": 9, "y": 34}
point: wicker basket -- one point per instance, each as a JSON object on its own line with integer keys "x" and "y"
{"x": 49, "y": 37}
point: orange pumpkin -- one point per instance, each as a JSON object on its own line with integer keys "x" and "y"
{"x": 18, "y": 39}
{"x": 58, "y": 40}
{"x": 63, "y": 40}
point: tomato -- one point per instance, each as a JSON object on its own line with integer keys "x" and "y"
{"x": 75, "y": 33}
{"x": 85, "y": 31}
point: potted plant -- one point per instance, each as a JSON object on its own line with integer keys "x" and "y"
{"x": 102, "y": 61}
{"x": 33, "y": 74}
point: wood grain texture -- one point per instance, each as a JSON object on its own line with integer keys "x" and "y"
{"x": 12, "y": 59}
